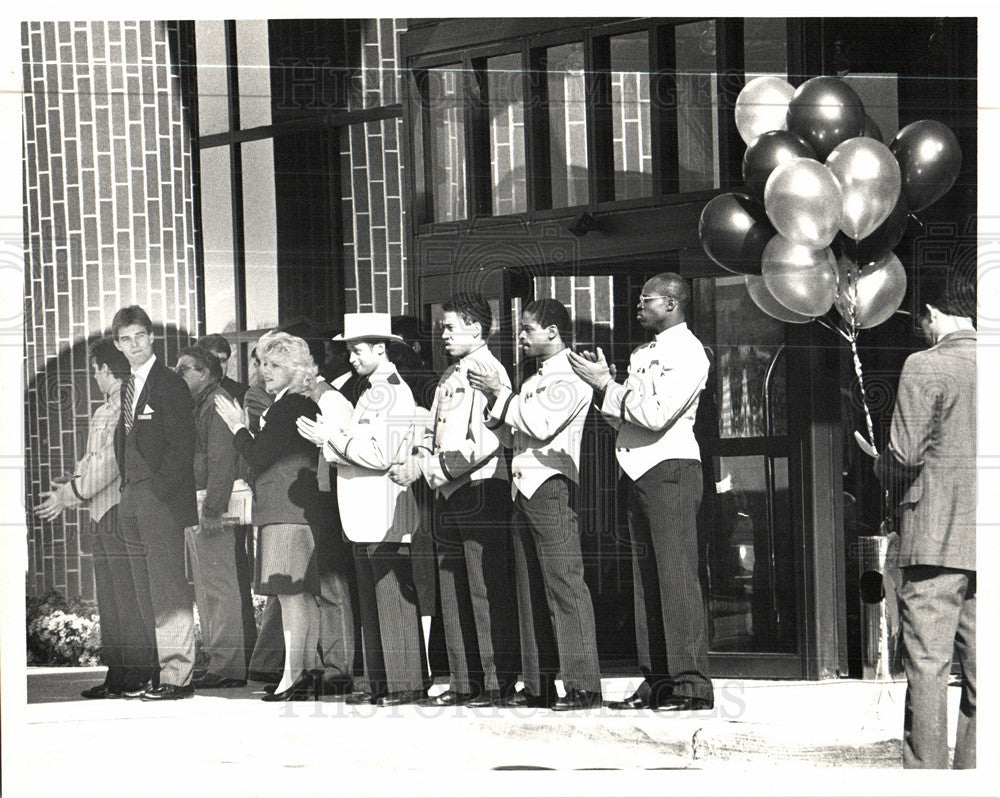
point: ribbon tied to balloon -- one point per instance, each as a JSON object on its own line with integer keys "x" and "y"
{"x": 825, "y": 203}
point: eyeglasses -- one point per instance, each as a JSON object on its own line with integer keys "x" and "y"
{"x": 138, "y": 338}
{"x": 643, "y": 298}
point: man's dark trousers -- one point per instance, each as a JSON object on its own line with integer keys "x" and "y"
{"x": 670, "y": 631}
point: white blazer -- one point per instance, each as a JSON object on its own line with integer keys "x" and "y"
{"x": 373, "y": 508}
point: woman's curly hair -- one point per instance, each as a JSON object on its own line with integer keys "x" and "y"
{"x": 293, "y": 354}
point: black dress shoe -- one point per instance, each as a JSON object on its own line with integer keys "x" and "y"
{"x": 401, "y": 697}
{"x": 136, "y": 690}
{"x": 449, "y": 698}
{"x": 264, "y": 676}
{"x": 523, "y": 699}
{"x": 684, "y": 703}
{"x": 577, "y": 699}
{"x": 337, "y": 685}
{"x": 168, "y": 692}
{"x": 359, "y": 697}
{"x": 101, "y": 691}
{"x": 302, "y": 689}
{"x": 490, "y": 698}
{"x": 635, "y": 701}
{"x": 213, "y": 681}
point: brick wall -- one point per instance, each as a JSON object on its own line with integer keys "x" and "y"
{"x": 108, "y": 221}
{"x": 373, "y": 179}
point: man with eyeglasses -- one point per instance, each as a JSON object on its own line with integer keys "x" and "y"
{"x": 654, "y": 413}
{"x": 212, "y": 545}
{"x": 154, "y": 444}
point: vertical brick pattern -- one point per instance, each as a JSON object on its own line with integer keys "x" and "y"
{"x": 372, "y": 176}
{"x": 108, "y": 221}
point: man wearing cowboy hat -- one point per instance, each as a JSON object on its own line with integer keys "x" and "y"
{"x": 378, "y": 515}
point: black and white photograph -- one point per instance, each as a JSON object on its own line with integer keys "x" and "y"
{"x": 498, "y": 400}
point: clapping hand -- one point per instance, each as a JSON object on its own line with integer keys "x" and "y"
{"x": 314, "y": 431}
{"x": 406, "y": 470}
{"x": 486, "y": 382}
{"x": 230, "y": 412}
{"x": 592, "y": 368}
{"x": 51, "y": 508}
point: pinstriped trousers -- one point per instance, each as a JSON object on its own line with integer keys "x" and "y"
{"x": 555, "y": 611}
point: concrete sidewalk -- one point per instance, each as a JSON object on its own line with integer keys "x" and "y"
{"x": 257, "y": 748}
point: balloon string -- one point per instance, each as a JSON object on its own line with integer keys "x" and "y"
{"x": 853, "y": 339}
{"x": 831, "y": 328}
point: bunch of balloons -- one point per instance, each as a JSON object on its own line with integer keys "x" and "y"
{"x": 826, "y": 201}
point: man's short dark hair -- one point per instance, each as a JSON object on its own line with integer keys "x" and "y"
{"x": 472, "y": 308}
{"x": 549, "y": 312}
{"x": 951, "y": 291}
{"x": 205, "y": 359}
{"x": 215, "y": 343}
{"x": 104, "y": 353}
{"x": 132, "y": 314}
{"x": 673, "y": 285}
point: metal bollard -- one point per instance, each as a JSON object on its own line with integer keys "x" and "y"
{"x": 874, "y": 630}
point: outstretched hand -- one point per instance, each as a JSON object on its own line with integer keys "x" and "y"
{"x": 230, "y": 412}
{"x": 51, "y": 508}
{"x": 406, "y": 471}
{"x": 313, "y": 431}
{"x": 485, "y": 381}
{"x": 592, "y": 368}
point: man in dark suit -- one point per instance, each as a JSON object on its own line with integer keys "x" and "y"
{"x": 154, "y": 445}
{"x": 931, "y": 463}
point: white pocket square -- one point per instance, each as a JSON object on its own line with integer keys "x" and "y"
{"x": 147, "y": 409}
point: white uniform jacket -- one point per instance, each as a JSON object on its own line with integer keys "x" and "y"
{"x": 457, "y": 446}
{"x": 546, "y": 419}
{"x": 654, "y": 410}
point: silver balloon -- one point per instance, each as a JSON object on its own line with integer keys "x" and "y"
{"x": 762, "y": 105}
{"x": 801, "y": 278}
{"x": 804, "y": 202}
{"x": 764, "y": 300}
{"x": 869, "y": 176}
{"x": 874, "y": 292}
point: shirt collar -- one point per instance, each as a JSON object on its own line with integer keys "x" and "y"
{"x": 559, "y": 362}
{"x": 142, "y": 372}
{"x": 475, "y": 355}
{"x": 280, "y": 393}
{"x": 671, "y": 332}
{"x": 959, "y": 335}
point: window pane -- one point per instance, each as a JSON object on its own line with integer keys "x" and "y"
{"x": 217, "y": 240}
{"x": 447, "y": 143}
{"x": 567, "y": 125}
{"x": 697, "y": 107}
{"x": 213, "y": 93}
{"x": 260, "y": 234}
{"x": 765, "y": 47}
{"x": 630, "y": 115}
{"x": 505, "y": 99}
{"x": 879, "y": 94}
{"x": 254, "y": 73}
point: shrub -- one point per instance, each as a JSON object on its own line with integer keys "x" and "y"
{"x": 61, "y": 632}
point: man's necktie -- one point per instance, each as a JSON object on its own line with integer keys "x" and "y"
{"x": 127, "y": 403}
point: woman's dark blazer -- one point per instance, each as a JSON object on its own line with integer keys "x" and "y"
{"x": 284, "y": 464}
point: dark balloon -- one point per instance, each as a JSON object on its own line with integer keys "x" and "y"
{"x": 734, "y": 229}
{"x": 881, "y": 242}
{"x": 929, "y": 161}
{"x": 871, "y": 130}
{"x": 825, "y": 111}
{"x": 766, "y": 153}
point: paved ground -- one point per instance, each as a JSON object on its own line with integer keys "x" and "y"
{"x": 228, "y": 742}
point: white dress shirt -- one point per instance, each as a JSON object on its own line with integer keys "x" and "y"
{"x": 546, "y": 418}
{"x": 139, "y": 377}
{"x": 654, "y": 410}
{"x": 457, "y": 447}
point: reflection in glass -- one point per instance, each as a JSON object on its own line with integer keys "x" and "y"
{"x": 260, "y": 234}
{"x": 697, "y": 107}
{"x": 630, "y": 115}
{"x": 746, "y": 521}
{"x": 447, "y": 143}
{"x": 567, "y": 125}
{"x": 217, "y": 240}
{"x": 505, "y": 99}
{"x": 213, "y": 87}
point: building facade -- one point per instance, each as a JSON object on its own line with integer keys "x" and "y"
{"x": 233, "y": 175}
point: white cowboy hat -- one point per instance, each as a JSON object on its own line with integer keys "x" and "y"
{"x": 367, "y": 326}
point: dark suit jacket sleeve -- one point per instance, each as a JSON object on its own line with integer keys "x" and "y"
{"x": 176, "y": 467}
{"x": 279, "y": 435}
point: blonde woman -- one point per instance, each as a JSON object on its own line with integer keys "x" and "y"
{"x": 286, "y": 504}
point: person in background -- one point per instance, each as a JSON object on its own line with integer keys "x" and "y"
{"x": 212, "y": 545}
{"x": 154, "y": 445}
{"x": 378, "y": 516}
{"x": 95, "y": 484}
{"x": 654, "y": 413}
{"x": 930, "y": 469}
{"x": 546, "y": 420}
{"x": 286, "y": 506}
{"x": 219, "y": 346}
